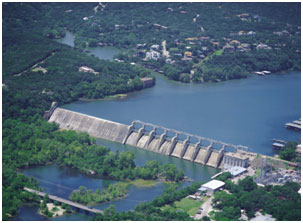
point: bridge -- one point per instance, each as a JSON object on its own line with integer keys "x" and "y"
{"x": 65, "y": 201}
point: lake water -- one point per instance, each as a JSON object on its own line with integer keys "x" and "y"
{"x": 103, "y": 53}
{"x": 249, "y": 112}
{"x": 68, "y": 39}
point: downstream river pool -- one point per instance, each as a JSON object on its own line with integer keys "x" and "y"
{"x": 249, "y": 112}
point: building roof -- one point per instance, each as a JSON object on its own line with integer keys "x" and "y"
{"x": 213, "y": 184}
{"x": 235, "y": 170}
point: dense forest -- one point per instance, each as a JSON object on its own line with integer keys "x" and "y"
{"x": 37, "y": 71}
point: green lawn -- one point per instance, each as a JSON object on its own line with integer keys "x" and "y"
{"x": 144, "y": 183}
{"x": 188, "y": 205}
{"x": 218, "y": 52}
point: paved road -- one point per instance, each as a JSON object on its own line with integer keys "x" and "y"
{"x": 206, "y": 208}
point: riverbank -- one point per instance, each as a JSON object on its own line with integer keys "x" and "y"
{"x": 110, "y": 97}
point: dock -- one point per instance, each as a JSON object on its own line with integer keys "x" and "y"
{"x": 293, "y": 126}
{"x": 65, "y": 201}
{"x": 278, "y": 143}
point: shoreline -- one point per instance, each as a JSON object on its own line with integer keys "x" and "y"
{"x": 106, "y": 98}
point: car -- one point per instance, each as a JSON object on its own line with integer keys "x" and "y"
{"x": 90, "y": 207}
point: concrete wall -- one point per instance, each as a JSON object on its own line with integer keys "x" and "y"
{"x": 96, "y": 127}
{"x": 141, "y": 138}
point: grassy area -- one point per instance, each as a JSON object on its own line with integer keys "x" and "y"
{"x": 218, "y": 52}
{"x": 258, "y": 172}
{"x": 143, "y": 183}
{"x": 188, "y": 205}
{"x": 115, "y": 96}
{"x": 39, "y": 69}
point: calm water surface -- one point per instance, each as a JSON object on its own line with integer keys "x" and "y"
{"x": 103, "y": 53}
{"x": 68, "y": 39}
{"x": 249, "y": 112}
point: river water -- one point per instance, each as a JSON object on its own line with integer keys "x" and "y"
{"x": 250, "y": 112}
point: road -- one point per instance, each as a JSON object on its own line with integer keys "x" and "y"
{"x": 206, "y": 208}
{"x": 165, "y": 53}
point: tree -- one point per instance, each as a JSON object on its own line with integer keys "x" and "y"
{"x": 247, "y": 184}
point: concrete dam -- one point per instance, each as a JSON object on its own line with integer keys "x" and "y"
{"x": 150, "y": 137}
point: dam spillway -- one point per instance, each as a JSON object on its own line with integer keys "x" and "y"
{"x": 147, "y": 136}
{"x": 96, "y": 127}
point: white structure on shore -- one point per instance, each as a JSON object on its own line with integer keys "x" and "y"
{"x": 212, "y": 186}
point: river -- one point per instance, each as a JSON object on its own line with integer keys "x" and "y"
{"x": 250, "y": 112}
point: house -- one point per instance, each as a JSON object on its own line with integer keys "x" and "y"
{"x": 147, "y": 82}
{"x": 141, "y": 46}
{"x": 191, "y": 39}
{"x": 241, "y": 33}
{"x": 228, "y": 48}
{"x": 298, "y": 149}
{"x": 212, "y": 186}
{"x": 204, "y": 38}
{"x": 263, "y": 46}
{"x": 234, "y": 42}
{"x": 158, "y": 26}
{"x": 204, "y": 48}
{"x": 86, "y": 69}
{"x": 278, "y": 33}
{"x": 244, "y": 47}
{"x": 155, "y": 47}
{"x": 243, "y": 15}
{"x": 188, "y": 54}
{"x": 251, "y": 33}
{"x": 152, "y": 55}
{"x": 215, "y": 43}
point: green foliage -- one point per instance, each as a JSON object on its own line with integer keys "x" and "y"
{"x": 37, "y": 143}
{"x": 152, "y": 211}
{"x": 224, "y": 176}
{"x": 289, "y": 152}
{"x": 282, "y": 202}
{"x": 54, "y": 209}
{"x": 113, "y": 191}
{"x": 68, "y": 209}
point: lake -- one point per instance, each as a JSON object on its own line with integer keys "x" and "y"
{"x": 249, "y": 111}
{"x": 103, "y": 53}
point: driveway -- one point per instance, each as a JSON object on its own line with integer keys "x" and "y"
{"x": 206, "y": 208}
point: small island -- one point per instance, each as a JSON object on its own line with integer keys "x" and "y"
{"x": 88, "y": 197}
